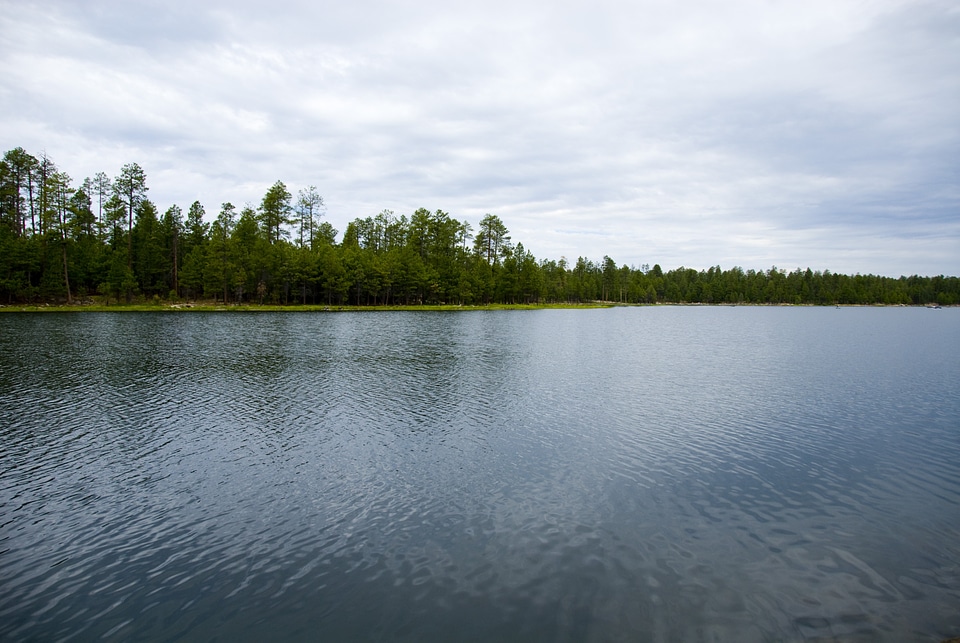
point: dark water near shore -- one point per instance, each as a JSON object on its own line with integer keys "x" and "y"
{"x": 645, "y": 474}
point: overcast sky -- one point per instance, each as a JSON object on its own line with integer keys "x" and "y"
{"x": 823, "y": 133}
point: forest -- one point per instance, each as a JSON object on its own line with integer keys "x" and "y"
{"x": 104, "y": 240}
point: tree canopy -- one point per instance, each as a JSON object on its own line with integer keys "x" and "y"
{"x": 105, "y": 238}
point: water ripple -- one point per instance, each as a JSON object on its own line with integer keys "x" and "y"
{"x": 644, "y": 474}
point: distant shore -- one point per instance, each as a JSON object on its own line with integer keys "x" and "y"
{"x": 275, "y": 308}
{"x": 207, "y": 306}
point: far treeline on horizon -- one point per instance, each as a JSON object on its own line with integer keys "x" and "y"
{"x": 61, "y": 242}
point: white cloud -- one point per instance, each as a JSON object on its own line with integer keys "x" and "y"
{"x": 751, "y": 133}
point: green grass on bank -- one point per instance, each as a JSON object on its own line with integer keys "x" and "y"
{"x": 295, "y": 308}
{"x": 210, "y": 306}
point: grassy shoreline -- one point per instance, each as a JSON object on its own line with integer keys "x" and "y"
{"x": 272, "y": 308}
{"x": 308, "y": 308}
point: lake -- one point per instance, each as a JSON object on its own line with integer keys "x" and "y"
{"x": 625, "y": 474}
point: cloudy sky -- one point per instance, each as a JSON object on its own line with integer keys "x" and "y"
{"x": 823, "y": 133}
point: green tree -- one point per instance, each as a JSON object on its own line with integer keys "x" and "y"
{"x": 195, "y": 229}
{"x": 609, "y": 280}
{"x": 491, "y": 241}
{"x": 194, "y": 251}
{"x": 218, "y": 271}
{"x": 326, "y": 234}
{"x": 275, "y": 212}
{"x": 529, "y": 276}
{"x": 63, "y": 216}
{"x": 102, "y": 188}
{"x": 87, "y": 243}
{"x": 130, "y": 187}
{"x": 47, "y": 186}
{"x": 20, "y": 169}
{"x": 149, "y": 261}
{"x": 171, "y": 231}
{"x": 332, "y": 276}
{"x": 309, "y": 211}
{"x": 249, "y": 256}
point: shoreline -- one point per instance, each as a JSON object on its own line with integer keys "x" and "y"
{"x": 316, "y": 308}
{"x": 276, "y": 308}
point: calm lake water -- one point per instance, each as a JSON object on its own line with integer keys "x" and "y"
{"x": 641, "y": 474}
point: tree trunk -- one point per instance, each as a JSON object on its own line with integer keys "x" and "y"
{"x": 176, "y": 278}
{"x": 130, "y": 235}
{"x": 66, "y": 276}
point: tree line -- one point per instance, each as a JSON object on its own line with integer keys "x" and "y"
{"x": 104, "y": 238}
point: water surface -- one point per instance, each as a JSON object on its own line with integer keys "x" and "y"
{"x": 667, "y": 473}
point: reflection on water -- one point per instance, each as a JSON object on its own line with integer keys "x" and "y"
{"x": 628, "y": 474}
